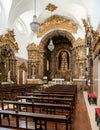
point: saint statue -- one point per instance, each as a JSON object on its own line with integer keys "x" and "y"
{"x": 33, "y": 71}
{"x": 64, "y": 64}
{"x": 9, "y": 78}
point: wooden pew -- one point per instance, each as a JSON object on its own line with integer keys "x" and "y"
{"x": 46, "y": 108}
{"x": 51, "y": 95}
{"x": 67, "y": 95}
{"x": 10, "y": 92}
{"x": 46, "y": 99}
{"x": 58, "y": 96}
{"x": 62, "y": 88}
{"x": 17, "y": 105}
{"x": 40, "y": 120}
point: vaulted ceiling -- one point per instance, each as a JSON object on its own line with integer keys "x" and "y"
{"x": 18, "y": 14}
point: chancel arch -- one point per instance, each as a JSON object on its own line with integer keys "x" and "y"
{"x": 57, "y": 63}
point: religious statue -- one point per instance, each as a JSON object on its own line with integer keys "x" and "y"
{"x": 64, "y": 63}
{"x": 33, "y": 70}
{"x": 9, "y": 78}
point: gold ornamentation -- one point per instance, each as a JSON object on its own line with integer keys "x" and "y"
{"x": 88, "y": 30}
{"x": 96, "y": 46}
{"x": 95, "y": 35}
{"x": 32, "y": 46}
{"x": 51, "y": 7}
{"x": 57, "y": 21}
{"x": 79, "y": 42}
{"x": 23, "y": 66}
{"x": 9, "y": 38}
{"x": 81, "y": 53}
{"x": 80, "y": 45}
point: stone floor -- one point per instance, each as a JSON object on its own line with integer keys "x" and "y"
{"x": 81, "y": 119}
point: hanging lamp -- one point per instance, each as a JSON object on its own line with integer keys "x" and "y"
{"x": 34, "y": 25}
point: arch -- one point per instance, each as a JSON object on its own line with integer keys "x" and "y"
{"x": 56, "y": 33}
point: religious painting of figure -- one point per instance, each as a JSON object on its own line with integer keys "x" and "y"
{"x": 63, "y": 61}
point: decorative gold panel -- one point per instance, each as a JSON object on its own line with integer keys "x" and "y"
{"x": 23, "y": 66}
{"x": 96, "y": 48}
{"x": 51, "y": 7}
{"x": 80, "y": 46}
{"x": 79, "y": 42}
{"x": 96, "y": 41}
{"x": 9, "y": 38}
{"x": 57, "y": 21}
{"x": 32, "y": 46}
{"x": 95, "y": 35}
{"x": 81, "y": 53}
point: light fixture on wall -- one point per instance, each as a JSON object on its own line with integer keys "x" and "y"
{"x": 34, "y": 24}
{"x": 51, "y": 45}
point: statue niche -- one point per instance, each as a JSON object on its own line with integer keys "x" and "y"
{"x": 63, "y": 69}
{"x": 63, "y": 61}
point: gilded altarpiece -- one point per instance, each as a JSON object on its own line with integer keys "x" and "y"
{"x": 79, "y": 59}
{"x": 35, "y": 61}
{"x": 8, "y": 46}
{"x": 67, "y": 60}
{"x": 63, "y": 62}
{"x": 60, "y": 65}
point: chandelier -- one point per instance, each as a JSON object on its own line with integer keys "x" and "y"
{"x": 51, "y": 45}
{"x": 51, "y": 7}
{"x": 34, "y": 25}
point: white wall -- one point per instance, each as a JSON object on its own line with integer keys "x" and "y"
{"x": 99, "y": 81}
{"x": 96, "y": 78}
{"x": 22, "y": 39}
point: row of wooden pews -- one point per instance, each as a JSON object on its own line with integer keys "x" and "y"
{"x": 55, "y": 104}
{"x": 11, "y": 91}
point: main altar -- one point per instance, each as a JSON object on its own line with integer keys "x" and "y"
{"x": 58, "y": 55}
